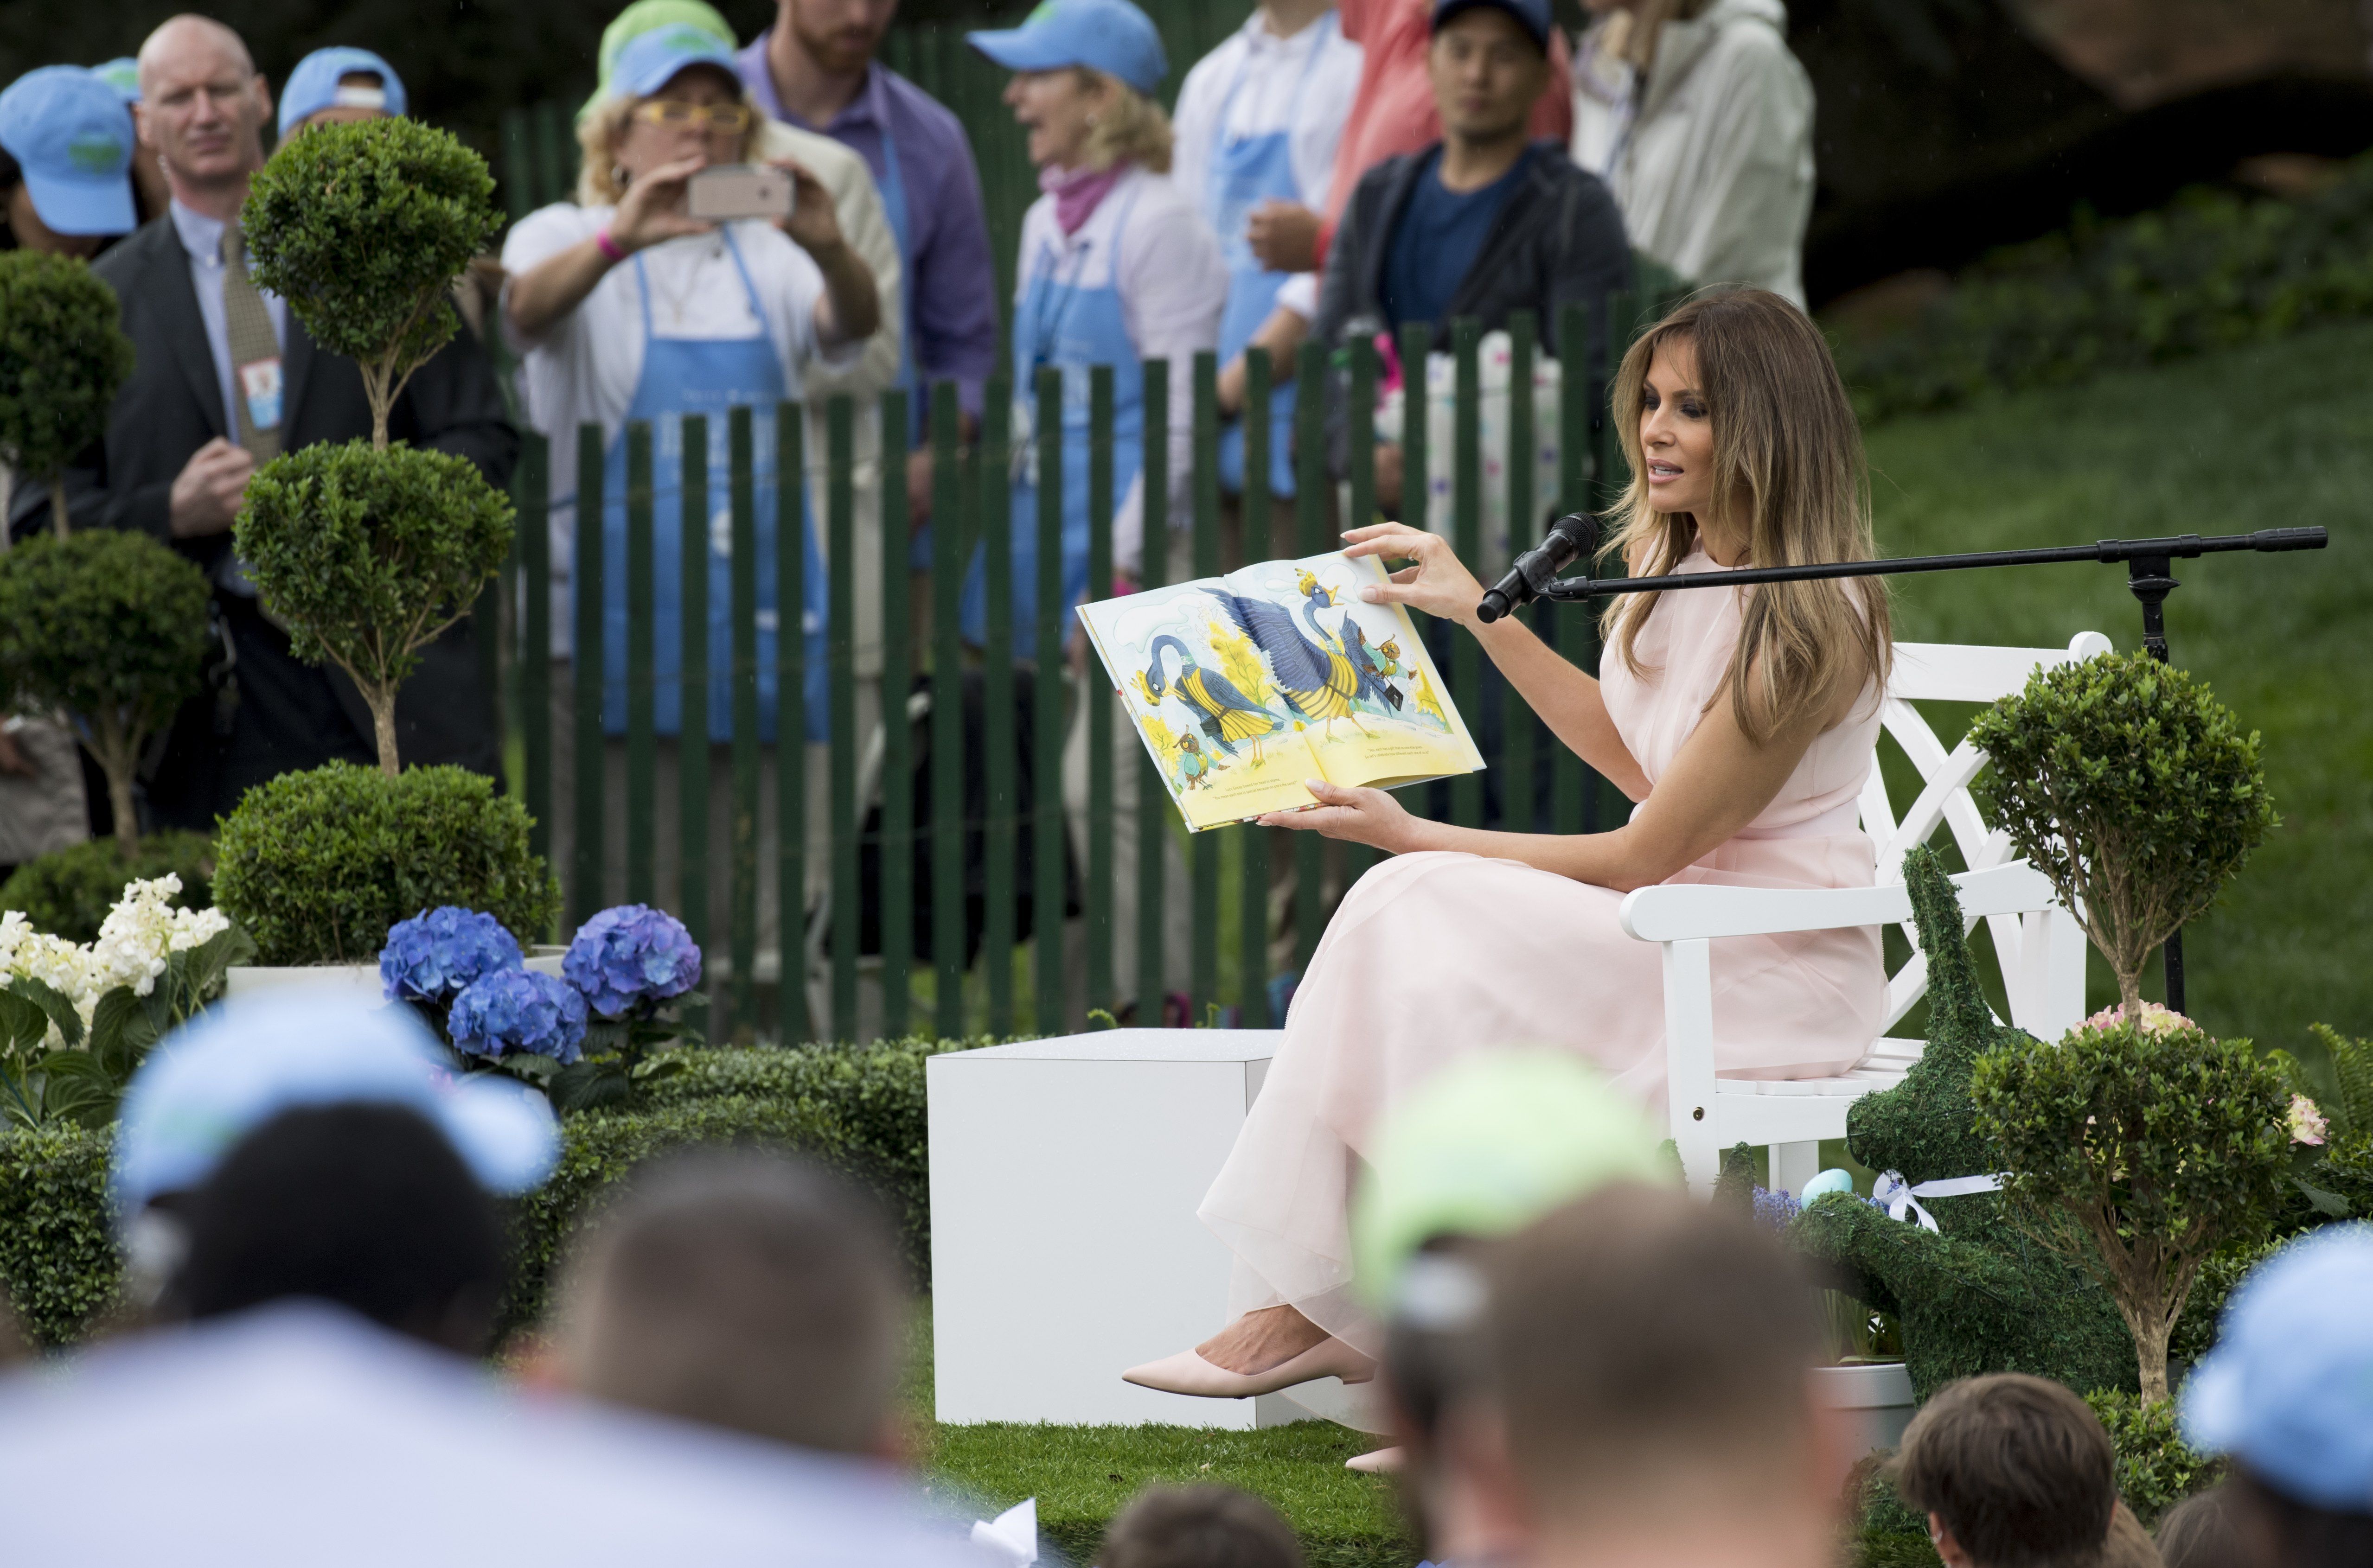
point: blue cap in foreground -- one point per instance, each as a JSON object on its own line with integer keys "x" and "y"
{"x": 243, "y": 1062}
{"x": 652, "y": 60}
{"x": 313, "y": 86}
{"x": 72, "y": 136}
{"x": 2288, "y": 1390}
{"x": 1111, "y": 36}
{"x": 123, "y": 74}
{"x": 1532, "y": 16}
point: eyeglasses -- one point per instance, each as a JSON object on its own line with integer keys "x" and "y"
{"x": 708, "y": 117}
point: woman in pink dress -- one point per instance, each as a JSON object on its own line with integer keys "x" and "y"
{"x": 1743, "y": 721}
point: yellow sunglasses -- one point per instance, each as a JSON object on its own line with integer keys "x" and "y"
{"x": 708, "y": 117}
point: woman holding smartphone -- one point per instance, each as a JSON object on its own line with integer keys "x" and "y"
{"x": 629, "y": 308}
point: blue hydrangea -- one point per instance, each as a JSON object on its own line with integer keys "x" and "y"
{"x": 519, "y": 1010}
{"x": 436, "y": 953}
{"x": 1776, "y": 1209}
{"x": 630, "y": 957}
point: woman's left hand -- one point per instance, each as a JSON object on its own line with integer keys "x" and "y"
{"x": 814, "y": 224}
{"x": 1357, "y": 815}
{"x": 1439, "y": 584}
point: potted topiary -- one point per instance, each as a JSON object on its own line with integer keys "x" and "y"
{"x": 63, "y": 353}
{"x": 111, "y": 628}
{"x": 319, "y": 867}
{"x": 367, "y": 550}
{"x": 2130, "y": 786}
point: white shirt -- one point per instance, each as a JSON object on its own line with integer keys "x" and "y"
{"x": 584, "y": 368}
{"x": 201, "y": 239}
{"x": 1277, "y": 87}
{"x": 302, "y": 1434}
{"x": 1172, "y": 287}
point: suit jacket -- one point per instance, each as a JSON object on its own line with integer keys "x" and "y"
{"x": 286, "y": 716}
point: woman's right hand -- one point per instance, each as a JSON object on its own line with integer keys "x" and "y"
{"x": 1439, "y": 584}
{"x": 652, "y": 209}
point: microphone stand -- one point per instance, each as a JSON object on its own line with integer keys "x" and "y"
{"x": 2150, "y": 575}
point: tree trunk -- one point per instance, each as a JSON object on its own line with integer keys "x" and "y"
{"x": 2130, "y": 993}
{"x": 58, "y": 504}
{"x": 382, "y": 706}
{"x": 127, "y": 817}
{"x": 2151, "y": 1328}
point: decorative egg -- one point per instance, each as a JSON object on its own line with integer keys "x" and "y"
{"x": 1831, "y": 1181}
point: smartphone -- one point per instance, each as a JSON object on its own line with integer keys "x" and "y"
{"x": 739, "y": 191}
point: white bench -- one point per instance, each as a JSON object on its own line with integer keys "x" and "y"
{"x": 1065, "y": 1175}
{"x": 2037, "y": 946}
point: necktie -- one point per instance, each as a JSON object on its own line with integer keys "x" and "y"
{"x": 252, "y": 342}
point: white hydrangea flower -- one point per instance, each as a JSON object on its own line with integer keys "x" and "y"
{"x": 63, "y": 966}
{"x": 136, "y": 941}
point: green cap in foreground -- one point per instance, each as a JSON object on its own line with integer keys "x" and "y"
{"x": 1486, "y": 1147}
{"x": 649, "y": 16}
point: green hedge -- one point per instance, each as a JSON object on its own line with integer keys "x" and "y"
{"x": 2155, "y": 1469}
{"x": 2210, "y": 271}
{"x": 68, "y": 892}
{"x": 860, "y": 1108}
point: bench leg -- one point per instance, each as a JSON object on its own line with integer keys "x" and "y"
{"x": 1793, "y": 1165}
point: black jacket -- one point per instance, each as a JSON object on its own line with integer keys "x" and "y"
{"x": 286, "y": 716}
{"x": 1557, "y": 240}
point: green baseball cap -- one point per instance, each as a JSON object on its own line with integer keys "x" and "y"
{"x": 649, "y": 16}
{"x": 1487, "y": 1147}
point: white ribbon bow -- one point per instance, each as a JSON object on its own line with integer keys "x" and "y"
{"x": 1901, "y": 1200}
{"x": 1012, "y": 1534}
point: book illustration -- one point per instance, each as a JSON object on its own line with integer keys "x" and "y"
{"x": 1244, "y": 687}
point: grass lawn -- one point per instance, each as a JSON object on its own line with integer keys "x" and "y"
{"x": 2262, "y": 437}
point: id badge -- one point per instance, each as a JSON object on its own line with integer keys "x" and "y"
{"x": 259, "y": 382}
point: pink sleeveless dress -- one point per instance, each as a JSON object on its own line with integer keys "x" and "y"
{"x": 1435, "y": 954}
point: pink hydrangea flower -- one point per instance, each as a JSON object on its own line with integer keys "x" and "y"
{"x": 2151, "y": 1017}
{"x": 2308, "y": 1123}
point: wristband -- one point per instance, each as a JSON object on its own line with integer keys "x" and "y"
{"x": 607, "y": 246}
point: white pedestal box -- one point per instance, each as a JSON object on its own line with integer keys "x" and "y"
{"x": 1065, "y": 1175}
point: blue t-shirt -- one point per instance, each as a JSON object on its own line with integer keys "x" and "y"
{"x": 1439, "y": 235}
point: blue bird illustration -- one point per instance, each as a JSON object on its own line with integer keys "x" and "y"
{"x": 1226, "y": 715}
{"x": 1315, "y": 671}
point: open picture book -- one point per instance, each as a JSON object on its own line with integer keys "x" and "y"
{"x": 1245, "y": 686}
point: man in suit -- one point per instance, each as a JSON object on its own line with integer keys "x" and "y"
{"x": 226, "y": 378}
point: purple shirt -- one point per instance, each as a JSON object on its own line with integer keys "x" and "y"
{"x": 951, "y": 277}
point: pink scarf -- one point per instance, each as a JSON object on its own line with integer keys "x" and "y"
{"x": 1078, "y": 191}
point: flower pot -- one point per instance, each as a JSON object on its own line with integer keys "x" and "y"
{"x": 246, "y": 979}
{"x": 1877, "y": 1396}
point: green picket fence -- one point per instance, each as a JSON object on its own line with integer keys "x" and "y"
{"x": 1044, "y": 984}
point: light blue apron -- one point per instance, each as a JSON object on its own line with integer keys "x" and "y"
{"x": 1244, "y": 173}
{"x": 711, "y": 377}
{"x": 1071, "y": 328}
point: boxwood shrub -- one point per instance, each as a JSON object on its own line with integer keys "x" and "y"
{"x": 67, "y": 893}
{"x": 318, "y": 865}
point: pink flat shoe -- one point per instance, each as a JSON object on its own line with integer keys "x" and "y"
{"x": 1187, "y": 1373}
{"x": 1376, "y": 1461}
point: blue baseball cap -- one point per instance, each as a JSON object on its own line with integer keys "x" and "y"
{"x": 123, "y": 74}
{"x": 246, "y": 1060}
{"x": 2288, "y": 1390}
{"x": 653, "y": 60}
{"x": 313, "y": 86}
{"x": 72, "y": 136}
{"x": 1532, "y": 16}
{"x": 1111, "y": 36}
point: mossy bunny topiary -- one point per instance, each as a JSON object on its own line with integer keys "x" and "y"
{"x": 1977, "y": 1294}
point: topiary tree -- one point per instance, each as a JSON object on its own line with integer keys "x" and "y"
{"x": 2159, "y": 1143}
{"x": 110, "y": 627}
{"x": 362, "y": 228}
{"x": 63, "y": 353}
{"x": 369, "y": 555}
{"x": 2130, "y": 786}
{"x": 368, "y": 551}
{"x": 318, "y": 865}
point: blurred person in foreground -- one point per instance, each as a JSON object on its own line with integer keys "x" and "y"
{"x": 1198, "y": 1526}
{"x": 2011, "y": 1471}
{"x": 751, "y": 1292}
{"x": 1481, "y": 224}
{"x": 1700, "y": 120}
{"x": 225, "y": 379}
{"x": 2198, "y": 1532}
{"x": 313, "y": 1408}
{"x": 2287, "y": 1397}
{"x": 1644, "y": 1366}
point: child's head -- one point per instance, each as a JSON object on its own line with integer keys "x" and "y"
{"x": 2198, "y": 1532}
{"x": 2013, "y": 1471}
{"x": 1200, "y": 1526}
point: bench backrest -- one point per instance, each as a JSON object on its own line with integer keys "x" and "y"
{"x": 1954, "y": 672}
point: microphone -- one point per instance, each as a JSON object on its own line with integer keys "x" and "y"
{"x": 1571, "y": 538}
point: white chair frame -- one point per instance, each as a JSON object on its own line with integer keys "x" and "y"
{"x": 2039, "y": 948}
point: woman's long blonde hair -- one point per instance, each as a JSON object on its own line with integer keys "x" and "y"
{"x": 1787, "y": 454}
{"x": 598, "y": 133}
{"x": 1131, "y": 128}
